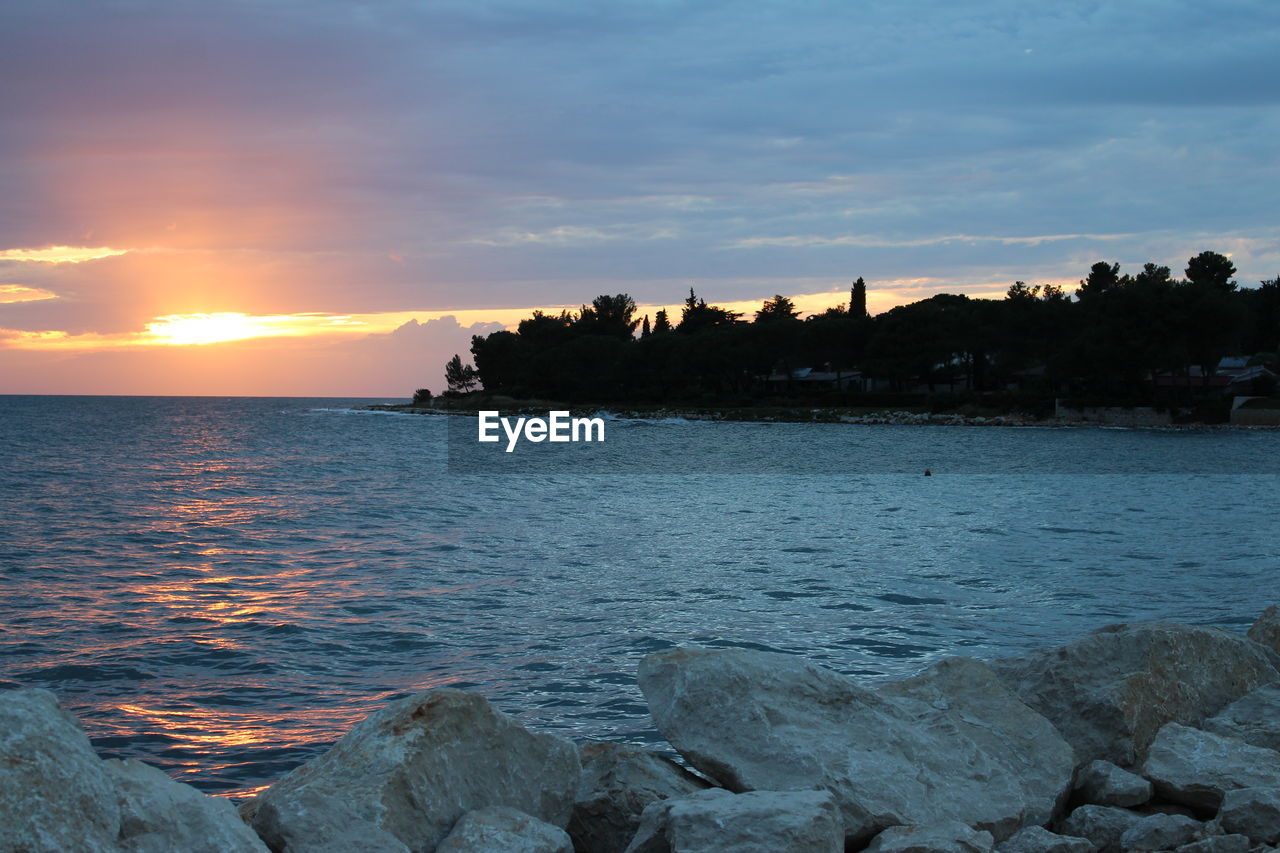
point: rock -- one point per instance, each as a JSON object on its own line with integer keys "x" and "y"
{"x": 1266, "y": 630}
{"x": 1253, "y": 812}
{"x": 1103, "y": 826}
{"x": 1197, "y": 768}
{"x": 55, "y": 794}
{"x": 1161, "y": 832}
{"x": 1110, "y": 692}
{"x": 416, "y": 766}
{"x": 1104, "y": 784}
{"x": 1037, "y": 839}
{"x": 617, "y": 784}
{"x": 949, "y": 836}
{"x": 498, "y": 829}
{"x": 950, "y": 744}
{"x": 1254, "y": 718}
{"x": 158, "y": 815}
{"x": 1218, "y": 844}
{"x": 311, "y": 822}
{"x": 716, "y": 821}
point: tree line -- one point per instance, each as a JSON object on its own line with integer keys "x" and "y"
{"x": 1104, "y": 340}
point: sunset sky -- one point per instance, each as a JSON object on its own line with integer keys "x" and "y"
{"x": 329, "y": 198}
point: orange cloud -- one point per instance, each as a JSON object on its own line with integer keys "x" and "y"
{"x": 60, "y": 254}
{"x": 11, "y": 293}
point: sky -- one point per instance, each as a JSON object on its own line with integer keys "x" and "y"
{"x": 316, "y": 198}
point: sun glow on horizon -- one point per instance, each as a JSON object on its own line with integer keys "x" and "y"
{"x": 60, "y": 254}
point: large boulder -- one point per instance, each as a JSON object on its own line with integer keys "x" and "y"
{"x": 1110, "y": 692}
{"x": 498, "y": 828}
{"x": 1105, "y": 784}
{"x": 55, "y": 793}
{"x": 312, "y": 822}
{"x": 1254, "y": 812}
{"x": 415, "y": 767}
{"x": 1197, "y": 768}
{"x": 1254, "y": 719}
{"x": 1162, "y": 832}
{"x": 158, "y": 815}
{"x": 1266, "y": 630}
{"x": 1103, "y": 826}
{"x": 1037, "y": 839}
{"x": 1218, "y": 844}
{"x": 950, "y": 744}
{"x": 948, "y": 836}
{"x": 617, "y": 783}
{"x": 716, "y": 821}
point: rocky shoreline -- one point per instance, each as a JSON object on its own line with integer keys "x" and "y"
{"x": 1137, "y": 737}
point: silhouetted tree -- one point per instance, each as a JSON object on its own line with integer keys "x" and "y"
{"x": 777, "y": 308}
{"x": 645, "y": 331}
{"x": 858, "y": 299}
{"x": 459, "y": 377}
{"x": 660, "y": 321}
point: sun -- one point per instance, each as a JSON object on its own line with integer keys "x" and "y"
{"x": 185, "y": 329}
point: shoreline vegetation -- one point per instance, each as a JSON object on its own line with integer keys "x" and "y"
{"x": 1188, "y": 349}
{"x": 1137, "y": 737}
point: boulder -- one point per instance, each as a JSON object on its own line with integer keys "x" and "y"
{"x": 158, "y": 815}
{"x": 617, "y": 783}
{"x": 1196, "y": 768}
{"x": 1037, "y": 839}
{"x": 1103, "y": 826}
{"x": 1105, "y": 784}
{"x": 1266, "y": 630}
{"x": 716, "y": 821}
{"x": 950, "y": 836}
{"x": 311, "y": 822}
{"x": 55, "y": 793}
{"x": 1218, "y": 844}
{"x": 498, "y": 829}
{"x": 950, "y": 744}
{"x": 1161, "y": 832}
{"x": 1253, "y": 812}
{"x": 1110, "y": 692}
{"x": 1254, "y": 718}
{"x": 415, "y": 767}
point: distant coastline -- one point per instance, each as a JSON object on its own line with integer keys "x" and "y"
{"x": 1133, "y": 417}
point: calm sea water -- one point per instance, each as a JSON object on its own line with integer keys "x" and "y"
{"x": 222, "y": 586}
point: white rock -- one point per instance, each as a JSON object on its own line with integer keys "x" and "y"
{"x": 1037, "y": 839}
{"x": 951, "y": 744}
{"x": 1110, "y": 692}
{"x": 716, "y": 821}
{"x": 55, "y": 794}
{"x": 1254, "y": 718}
{"x": 1197, "y": 768}
{"x": 949, "y": 836}
{"x": 1266, "y": 630}
{"x": 416, "y": 766}
{"x": 308, "y": 821}
{"x": 1254, "y": 812}
{"x": 498, "y": 829}
{"x": 617, "y": 783}
{"x": 1101, "y": 825}
{"x": 1105, "y": 784}
{"x": 158, "y": 815}
{"x": 1161, "y": 832}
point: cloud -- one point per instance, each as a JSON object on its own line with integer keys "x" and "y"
{"x": 13, "y": 293}
{"x": 59, "y": 254}
{"x": 331, "y": 158}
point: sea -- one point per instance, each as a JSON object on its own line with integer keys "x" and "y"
{"x": 222, "y": 586}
